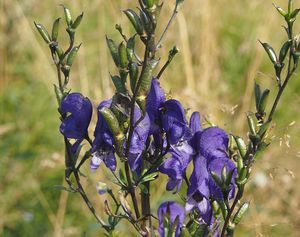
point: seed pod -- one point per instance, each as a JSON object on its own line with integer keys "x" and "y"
{"x": 146, "y": 21}
{"x": 240, "y": 213}
{"x": 257, "y": 92}
{"x": 68, "y": 16}
{"x": 290, "y": 8}
{"x": 241, "y": 146}
{"x": 240, "y": 164}
{"x": 58, "y": 94}
{"x": 263, "y": 101}
{"x": 130, "y": 48}
{"x": 251, "y": 124}
{"x": 243, "y": 173}
{"x": 263, "y": 129}
{"x": 135, "y": 21}
{"x": 120, "y": 87}
{"x": 145, "y": 83}
{"x": 77, "y": 21}
{"x": 122, "y": 55}
{"x": 43, "y": 32}
{"x": 294, "y": 15}
{"x": 114, "y": 126}
{"x": 284, "y": 50}
{"x": 59, "y": 52}
{"x": 133, "y": 74}
{"x": 229, "y": 177}
{"x": 149, "y": 3}
{"x": 280, "y": 10}
{"x": 72, "y": 55}
{"x": 55, "y": 29}
{"x": 113, "y": 50}
{"x": 270, "y": 51}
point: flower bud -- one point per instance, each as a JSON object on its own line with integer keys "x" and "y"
{"x": 240, "y": 213}
{"x": 270, "y": 51}
{"x": 241, "y": 146}
{"x": 263, "y": 101}
{"x": 251, "y": 124}
{"x": 72, "y": 55}
{"x": 120, "y": 87}
{"x": 130, "y": 48}
{"x": 77, "y": 21}
{"x": 257, "y": 92}
{"x": 122, "y": 55}
{"x": 114, "y": 126}
{"x": 113, "y": 50}
{"x": 43, "y": 32}
{"x": 280, "y": 10}
{"x": 284, "y": 50}
{"x": 55, "y": 29}
{"x": 133, "y": 74}
{"x": 135, "y": 21}
{"x": 68, "y": 16}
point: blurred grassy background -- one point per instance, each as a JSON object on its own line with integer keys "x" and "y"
{"x": 214, "y": 73}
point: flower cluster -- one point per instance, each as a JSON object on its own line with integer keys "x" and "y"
{"x": 162, "y": 129}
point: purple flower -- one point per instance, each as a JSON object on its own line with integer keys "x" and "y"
{"x": 175, "y": 166}
{"x": 103, "y": 142}
{"x": 155, "y": 100}
{"x": 76, "y": 124}
{"x": 216, "y": 166}
{"x": 212, "y": 143}
{"x": 139, "y": 138}
{"x": 175, "y": 211}
{"x": 174, "y": 122}
{"x": 198, "y": 192}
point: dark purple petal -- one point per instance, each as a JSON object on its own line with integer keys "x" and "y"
{"x": 176, "y": 165}
{"x": 212, "y": 143}
{"x": 175, "y": 210}
{"x": 174, "y": 122}
{"x": 195, "y": 124}
{"x": 216, "y": 166}
{"x": 140, "y": 133}
{"x": 199, "y": 178}
{"x": 104, "y": 141}
{"x": 76, "y": 124}
{"x": 108, "y": 158}
{"x": 155, "y": 99}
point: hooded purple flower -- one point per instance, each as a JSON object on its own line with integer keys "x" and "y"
{"x": 139, "y": 138}
{"x": 198, "y": 192}
{"x": 175, "y": 166}
{"x": 174, "y": 122}
{"x": 155, "y": 100}
{"x": 175, "y": 211}
{"x": 103, "y": 142}
{"x": 76, "y": 124}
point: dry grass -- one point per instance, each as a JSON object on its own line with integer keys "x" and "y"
{"x": 219, "y": 60}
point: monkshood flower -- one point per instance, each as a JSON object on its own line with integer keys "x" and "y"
{"x": 103, "y": 144}
{"x": 75, "y": 125}
{"x": 212, "y": 143}
{"x": 198, "y": 192}
{"x": 176, "y": 165}
{"x": 139, "y": 138}
{"x": 174, "y": 122}
{"x": 181, "y": 155}
{"x": 175, "y": 211}
{"x": 166, "y": 116}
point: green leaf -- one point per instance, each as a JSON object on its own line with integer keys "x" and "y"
{"x": 149, "y": 177}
